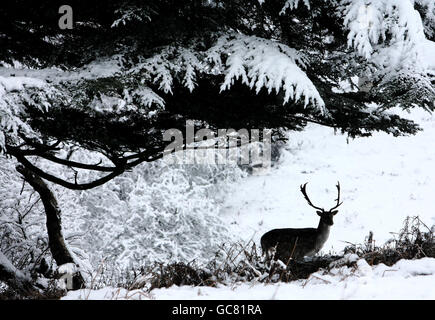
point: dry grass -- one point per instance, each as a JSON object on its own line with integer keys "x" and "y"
{"x": 52, "y": 292}
{"x": 245, "y": 262}
{"x": 234, "y": 264}
{"x": 240, "y": 262}
{"x": 415, "y": 240}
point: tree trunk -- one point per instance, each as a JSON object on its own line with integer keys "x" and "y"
{"x": 56, "y": 241}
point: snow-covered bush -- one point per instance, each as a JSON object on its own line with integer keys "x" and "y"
{"x": 243, "y": 262}
{"x": 156, "y": 212}
{"x": 23, "y": 239}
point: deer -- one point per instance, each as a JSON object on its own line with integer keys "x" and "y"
{"x": 295, "y": 244}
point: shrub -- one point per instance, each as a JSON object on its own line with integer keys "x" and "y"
{"x": 415, "y": 240}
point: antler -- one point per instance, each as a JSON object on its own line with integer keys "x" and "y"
{"x": 304, "y": 192}
{"x": 338, "y": 197}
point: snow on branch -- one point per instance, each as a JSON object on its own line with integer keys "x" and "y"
{"x": 374, "y": 22}
{"x": 261, "y": 63}
{"x": 14, "y": 91}
{"x": 137, "y": 98}
{"x": 258, "y": 62}
{"x": 158, "y": 69}
{"x": 293, "y": 4}
{"x": 39, "y": 87}
{"x": 130, "y": 14}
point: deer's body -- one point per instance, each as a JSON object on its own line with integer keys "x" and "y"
{"x": 295, "y": 243}
{"x": 298, "y": 243}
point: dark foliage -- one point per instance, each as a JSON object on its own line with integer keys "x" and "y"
{"x": 51, "y": 292}
{"x": 136, "y": 30}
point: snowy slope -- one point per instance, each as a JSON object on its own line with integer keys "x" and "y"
{"x": 383, "y": 179}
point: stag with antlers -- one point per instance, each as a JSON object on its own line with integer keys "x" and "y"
{"x": 297, "y": 243}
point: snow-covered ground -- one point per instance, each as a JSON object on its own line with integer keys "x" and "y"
{"x": 404, "y": 280}
{"x": 383, "y": 180}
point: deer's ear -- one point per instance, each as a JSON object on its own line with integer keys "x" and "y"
{"x": 319, "y": 213}
{"x": 334, "y": 212}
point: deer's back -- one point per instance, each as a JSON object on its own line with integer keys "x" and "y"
{"x": 299, "y": 241}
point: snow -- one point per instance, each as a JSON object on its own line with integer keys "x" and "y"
{"x": 383, "y": 180}
{"x": 5, "y": 263}
{"x": 259, "y": 63}
{"x": 68, "y": 268}
{"x": 410, "y": 279}
{"x": 293, "y": 4}
{"x": 370, "y": 22}
{"x": 18, "y": 83}
{"x": 262, "y": 63}
{"x": 100, "y": 68}
{"x": 11, "y": 108}
{"x": 10, "y": 268}
{"x": 427, "y": 54}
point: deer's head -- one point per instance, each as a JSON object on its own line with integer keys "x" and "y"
{"x": 326, "y": 216}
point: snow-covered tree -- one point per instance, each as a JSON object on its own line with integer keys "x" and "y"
{"x": 131, "y": 69}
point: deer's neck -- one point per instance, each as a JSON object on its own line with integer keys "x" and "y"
{"x": 322, "y": 233}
